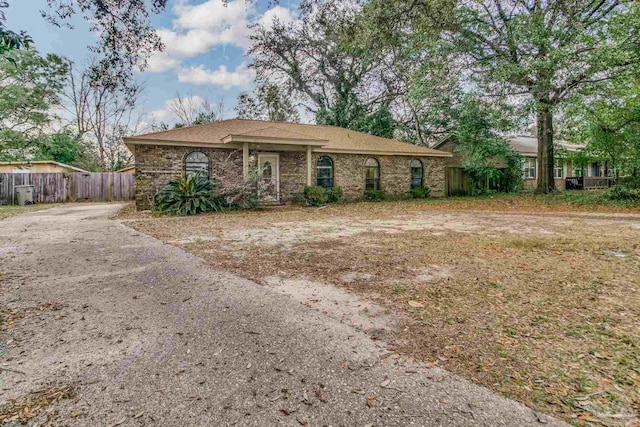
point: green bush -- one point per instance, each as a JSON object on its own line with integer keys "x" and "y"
{"x": 334, "y": 195}
{"x": 630, "y": 181}
{"x": 188, "y": 196}
{"x": 620, "y": 192}
{"x": 374, "y": 195}
{"x": 420, "y": 193}
{"x": 315, "y": 196}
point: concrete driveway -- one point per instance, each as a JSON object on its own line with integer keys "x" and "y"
{"x": 150, "y": 335}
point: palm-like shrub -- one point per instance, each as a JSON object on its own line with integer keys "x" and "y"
{"x": 188, "y": 196}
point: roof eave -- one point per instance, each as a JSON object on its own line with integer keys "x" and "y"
{"x": 385, "y": 153}
{"x": 274, "y": 140}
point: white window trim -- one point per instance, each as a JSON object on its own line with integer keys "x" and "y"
{"x": 558, "y": 164}
{"x": 529, "y": 163}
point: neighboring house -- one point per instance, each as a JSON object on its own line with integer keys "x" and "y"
{"x": 563, "y": 168}
{"x": 38, "y": 166}
{"x": 128, "y": 169}
{"x": 289, "y": 155}
{"x": 527, "y": 147}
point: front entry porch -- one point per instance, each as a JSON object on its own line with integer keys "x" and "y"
{"x": 285, "y": 168}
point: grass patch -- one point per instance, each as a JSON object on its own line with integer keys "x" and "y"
{"x": 7, "y": 211}
{"x": 580, "y": 201}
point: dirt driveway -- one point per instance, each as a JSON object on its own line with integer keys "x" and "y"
{"x": 103, "y": 325}
{"x": 540, "y": 305}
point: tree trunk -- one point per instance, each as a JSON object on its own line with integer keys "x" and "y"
{"x": 546, "y": 183}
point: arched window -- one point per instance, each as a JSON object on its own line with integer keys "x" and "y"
{"x": 372, "y": 174}
{"x": 416, "y": 173}
{"x": 324, "y": 172}
{"x": 196, "y": 161}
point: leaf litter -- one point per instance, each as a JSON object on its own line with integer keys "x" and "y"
{"x": 531, "y": 306}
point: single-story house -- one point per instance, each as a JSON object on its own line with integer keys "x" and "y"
{"x": 38, "y": 166}
{"x": 527, "y": 147}
{"x": 128, "y": 169}
{"x": 563, "y": 168}
{"x": 289, "y": 155}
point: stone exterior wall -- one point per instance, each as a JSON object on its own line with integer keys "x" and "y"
{"x": 293, "y": 174}
{"x": 156, "y": 164}
{"x": 530, "y": 184}
{"x": 395, "y": 173}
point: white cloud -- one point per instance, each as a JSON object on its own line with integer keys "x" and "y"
{"x": 211, "y": 14}
{"x": 199, "y": 28}
{"x": 240, "y": 77}
{"x": 161, "y": 62}
{"x": 278, "y": 13}
{"x": 166, "y": 115}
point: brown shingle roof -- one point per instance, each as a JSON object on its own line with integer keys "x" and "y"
{"x": 276, "y": 132}
{"x": 338, "y": 139}
{"x": 528, "y": 145}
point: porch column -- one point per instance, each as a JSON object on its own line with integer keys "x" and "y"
{"x": 308, "y": 165}
{"x": 245, "y": 160}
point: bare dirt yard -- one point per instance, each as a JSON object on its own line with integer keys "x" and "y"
{"x": 538, "y": 301}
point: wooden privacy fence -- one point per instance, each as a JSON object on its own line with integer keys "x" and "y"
{"x": 458, "y": 182}
{"x": 69, "y": 187}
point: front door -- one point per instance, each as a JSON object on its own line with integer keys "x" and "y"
{"x": 269, "y": 164}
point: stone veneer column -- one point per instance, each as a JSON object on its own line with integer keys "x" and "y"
{"x": 245, "y": 160}
{"x": 309, "y": 165}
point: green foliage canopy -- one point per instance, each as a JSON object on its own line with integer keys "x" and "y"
{"x": 30, "y": 87}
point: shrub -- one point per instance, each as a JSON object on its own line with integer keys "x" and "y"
{"x": 334, "y": 195}
{"x": 188, "y": 196}
{"x": 315, "y": 196}
{"x": 620, "y": 192}
{"x": 420, "y": 193}
{"x": 630, "y": 181}
{"x": 374, "y": 195}
{"x": 243, "y": 193}
{"x": 238, "y": 191}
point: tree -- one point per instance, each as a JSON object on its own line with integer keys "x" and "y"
{"x": 487, "y": 155}
{"x": 269, "y": 103}
{"x": 126, "y": 36}
{"x": 608, "y": 120}
{"x": 545, "y": 52}
{"x": 347, "y": 111}
{"x": 30, "y": 87}
{"x": 310, "y": 61}
{"x": 193, "y": 110}
{"x": 421, "y": 83}
{"x": 103, "y": 115}
{"x": 61, "y": 147}
{"x": 10, "y": 40}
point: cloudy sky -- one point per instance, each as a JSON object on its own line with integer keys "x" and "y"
{"x": 205, "y": 47}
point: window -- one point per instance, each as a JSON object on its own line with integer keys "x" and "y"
{"x": 558, "y": 168}
{"x": 529, "y": 168}
{"x": 324, "y": 172}
{"x": 372, "y": 175}
{"x": 416, "y": 173}
{"x": 595, "y": 169}
{"x": 267, "y": 170}
{"x": 196, "y": 161}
